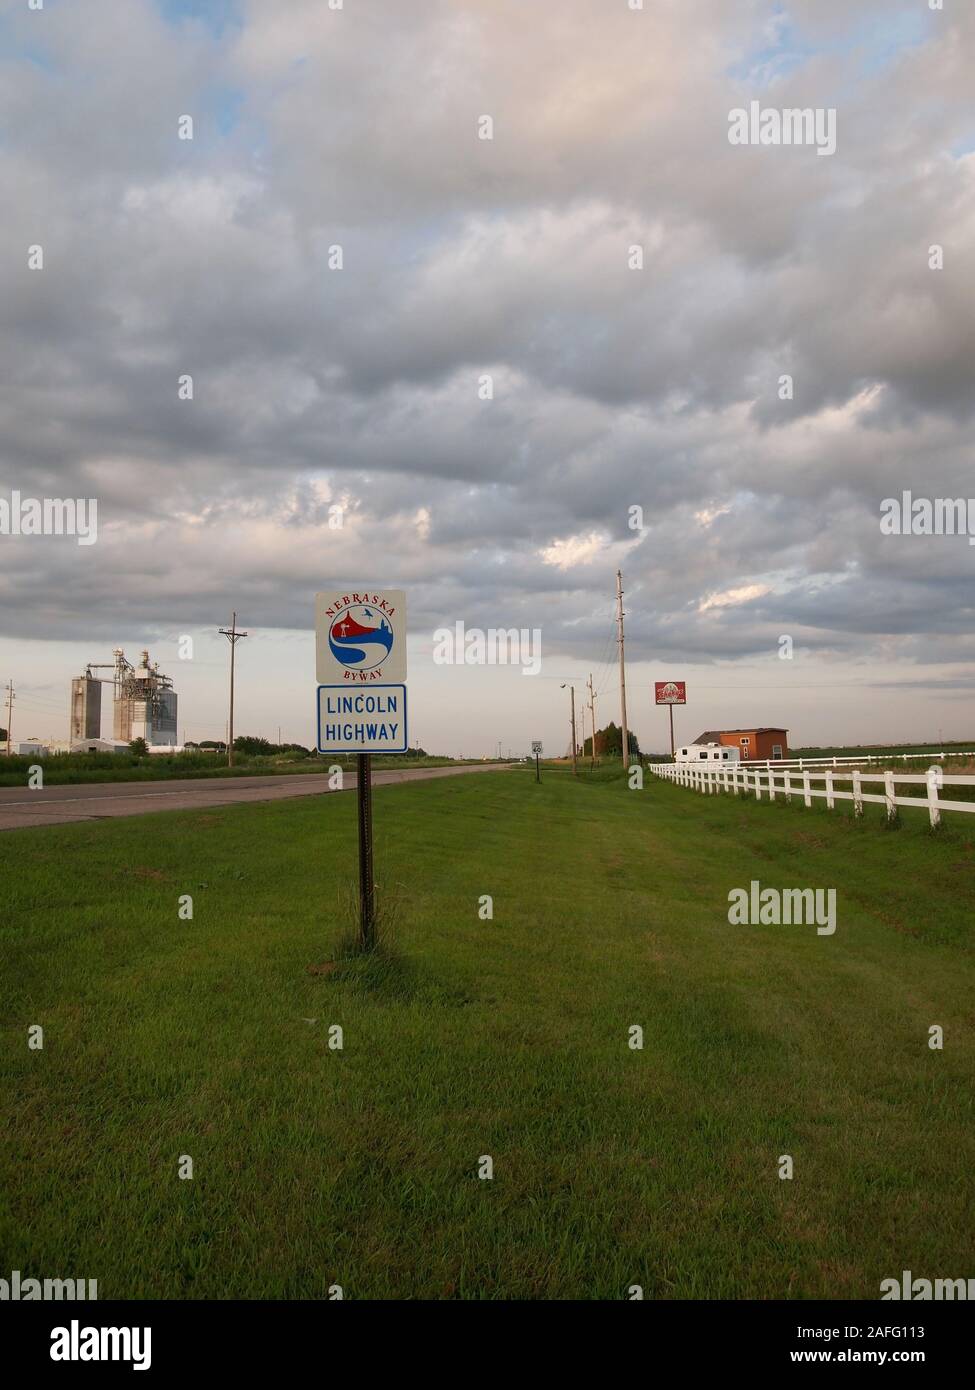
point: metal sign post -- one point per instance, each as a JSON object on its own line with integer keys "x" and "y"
{"x": 367, "y": 907}
{"x": 536, "y": 749}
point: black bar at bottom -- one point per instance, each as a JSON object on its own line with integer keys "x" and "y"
{"x": 228, "y": 1337}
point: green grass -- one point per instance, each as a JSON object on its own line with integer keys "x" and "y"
{"x": 505, "y": 1037}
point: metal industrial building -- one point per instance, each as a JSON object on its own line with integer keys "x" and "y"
{"x": 144, "y": 703}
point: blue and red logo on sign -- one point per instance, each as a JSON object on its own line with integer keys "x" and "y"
{"x": 360, "y": 637}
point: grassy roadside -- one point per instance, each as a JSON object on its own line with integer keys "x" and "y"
{"x": 76, "y": 768}
{"x": 506, "y": 1038}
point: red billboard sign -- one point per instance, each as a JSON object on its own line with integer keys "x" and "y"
{"x": 670, "y": 692}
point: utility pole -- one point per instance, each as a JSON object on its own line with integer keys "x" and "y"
{"x": 572, "y": 693}
{"x": 233, "y": 637}
{"x": 619, "y": 626}
{"x": 10, "y": 705}
{"x": 592, "y": 713}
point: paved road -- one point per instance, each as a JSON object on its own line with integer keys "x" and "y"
{"x": 19, "y": 806}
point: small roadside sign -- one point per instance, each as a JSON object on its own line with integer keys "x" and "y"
{"x": 362, "y": 719}
{"x": 360, "y": 636}
{"x": 360, "y": 660}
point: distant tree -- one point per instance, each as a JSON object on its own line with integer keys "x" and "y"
{"x": 139, "y": 747}
{"x": 214, "y": 744}
{"x": 253, "y": 747}
{"x": 609, "y": 743}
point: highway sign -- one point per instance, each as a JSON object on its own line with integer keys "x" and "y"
{"x": 360, "y": 637}
{"x": 356, "y": 719}
{"x": 536, "y": 746}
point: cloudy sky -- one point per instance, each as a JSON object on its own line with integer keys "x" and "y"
{"x": 509, "y": 258}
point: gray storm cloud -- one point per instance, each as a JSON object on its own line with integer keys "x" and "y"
{"x": 612, "y": 387}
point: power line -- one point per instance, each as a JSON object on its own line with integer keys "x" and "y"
{"x": 619, "y": 622}
{"x": 10, "y": 706}
{"x": 233, "y": 636}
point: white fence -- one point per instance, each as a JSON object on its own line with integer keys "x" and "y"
{"x": 847, "y": 762}
{"x": 779, "y": 779}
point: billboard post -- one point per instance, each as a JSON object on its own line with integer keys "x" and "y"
{"x": 670, "y": 693}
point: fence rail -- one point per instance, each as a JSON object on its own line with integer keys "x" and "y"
{"x": 782, "y": 780}
{"x": 847, "y": 762}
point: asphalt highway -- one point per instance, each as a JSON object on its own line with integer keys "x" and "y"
{"x": 20, "y": 806}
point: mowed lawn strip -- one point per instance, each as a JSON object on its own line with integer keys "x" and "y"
{"x": 507, "y": 1038}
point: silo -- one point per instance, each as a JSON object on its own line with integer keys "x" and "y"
{"x": 86, "y": 708}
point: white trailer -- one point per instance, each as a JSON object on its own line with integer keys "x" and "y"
{"x": 708, "y": 753}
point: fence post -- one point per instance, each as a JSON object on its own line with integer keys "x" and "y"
{"x": 771, "y": 785}
{"x": 758, "y": 785}
{"x": 787, "y": 784}
{"x": 890, "y": 791}
{"x": 830, "y": 798}
{"x": 805, "y": 787}
{"x": 857, "y": 793}
{"x": 934, "y": 813}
